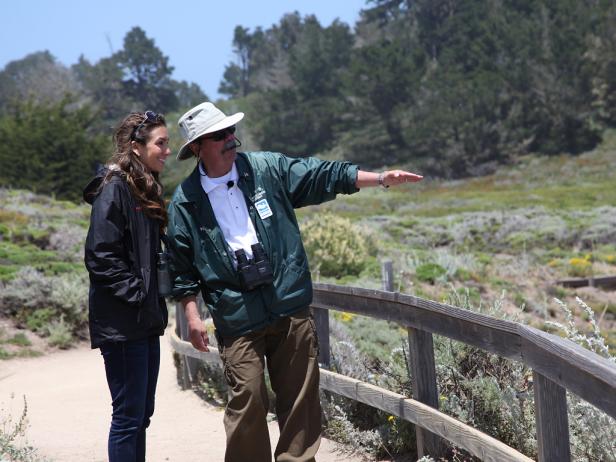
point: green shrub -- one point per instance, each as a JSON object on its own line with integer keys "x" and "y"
{"x": 429, "y": 272}
{"x": 26, "y": 254}
{"x": 60, "y": 334}
{"x": 463, "y": 274}
{"x": 34, "y": 299}
{"x": 35, "y": 236}
{"x": 7, "y": 272}
{"x": 28, "y": 353}
{"x": 4, "y": 354}
{"x": 335, "y": 246}
{"x": 19, "y": 339}
{"x": 38, "y": 320}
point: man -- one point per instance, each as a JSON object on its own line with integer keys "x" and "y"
{"x": 234, "y": 237}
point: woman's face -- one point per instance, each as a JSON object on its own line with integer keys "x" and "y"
{"x": 156, "y": 150}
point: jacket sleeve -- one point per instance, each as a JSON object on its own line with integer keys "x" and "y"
{"x": 184, "y": 276}
{"x": 106, "y": 255}
{"x": 310, "y": 181}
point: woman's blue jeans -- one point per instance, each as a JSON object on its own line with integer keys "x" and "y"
{"x": 132, "y": 370}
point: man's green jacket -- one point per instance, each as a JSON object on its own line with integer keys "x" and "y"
{"x": 202, "y": 260}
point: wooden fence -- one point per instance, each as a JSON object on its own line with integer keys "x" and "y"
{"x": 558, "y": 365}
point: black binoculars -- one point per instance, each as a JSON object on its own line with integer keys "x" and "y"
{"x": 162, "y": 270}
{"x": 254, "y": 272}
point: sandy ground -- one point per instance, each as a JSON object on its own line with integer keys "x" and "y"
{"x": 69, "y": 410}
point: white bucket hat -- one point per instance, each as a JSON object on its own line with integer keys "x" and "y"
{"x": 201, "y": 120}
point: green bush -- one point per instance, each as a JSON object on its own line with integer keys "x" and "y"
{"x": 335, "y": 246}
{"x": 38, "y": 320}
{"x": 26, "y": 254}
{"x": 60, "y": 334}
{"x": 5, "y": 354}
{"x": 7, "y": 272}
{"x": 19, "y": 339}
{"x": 34, "y": 300}
{"x": 429, "y": 272}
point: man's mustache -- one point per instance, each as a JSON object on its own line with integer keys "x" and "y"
{"x": 231, "y": 144}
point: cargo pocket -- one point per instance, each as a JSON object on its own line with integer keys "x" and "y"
{"x": 226, "y": 369}
{"x": 314, "y": 342}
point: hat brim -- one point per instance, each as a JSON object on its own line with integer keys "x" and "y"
{"x": 186, "y": 153}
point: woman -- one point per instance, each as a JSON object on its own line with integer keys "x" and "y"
{"x": 126, "y": 314}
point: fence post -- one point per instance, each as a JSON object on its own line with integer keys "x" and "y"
{"x": 321, "y": 321}
{"x": 552, "y": 421}
{"x": 423, "y": 372}
{"x": 387, "y": 276}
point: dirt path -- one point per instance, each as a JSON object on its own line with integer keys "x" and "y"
{"x": 69, "y": 411}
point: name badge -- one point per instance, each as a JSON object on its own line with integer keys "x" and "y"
{"x": 264, "y": 209}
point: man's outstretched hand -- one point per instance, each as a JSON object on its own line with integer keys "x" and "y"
{"x": 387, "y": 178}
{"x": 395, "y": 177}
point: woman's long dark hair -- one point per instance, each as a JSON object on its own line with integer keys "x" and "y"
{"x": 144, "y": 183}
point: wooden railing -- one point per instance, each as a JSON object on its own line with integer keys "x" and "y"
{"x": 558, "y": 365}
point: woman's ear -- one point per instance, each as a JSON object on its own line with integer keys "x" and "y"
{"x": 135, "y": 147}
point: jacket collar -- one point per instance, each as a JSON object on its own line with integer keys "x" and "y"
{"x": 210, "y": 184}
{"x": 191, "y": 187}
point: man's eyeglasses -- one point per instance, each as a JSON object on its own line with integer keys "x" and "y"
{"x": 148, "y": 117}
{"x": 220, "y": 134}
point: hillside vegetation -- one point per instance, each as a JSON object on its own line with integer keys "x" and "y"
{"x": 494, "y": 244}
{"x": 507, "y": 236}
{"x": 511, "y": 234}
{"x": 454, "y": 89}
{"x": 497, "y": 245}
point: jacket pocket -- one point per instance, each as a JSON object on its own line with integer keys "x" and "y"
{"x": 146, "y": 276}
{"x": 293, "y": 287}
{"x": 231, "y": 314}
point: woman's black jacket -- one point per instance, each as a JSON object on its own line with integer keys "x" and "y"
{"x": 120, "y": 255}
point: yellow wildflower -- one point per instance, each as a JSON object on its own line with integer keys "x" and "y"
{"x": 579, "y": 267}
{"x": 347, "y": 317}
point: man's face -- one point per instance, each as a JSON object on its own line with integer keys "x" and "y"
{"x": 217, "y": 151}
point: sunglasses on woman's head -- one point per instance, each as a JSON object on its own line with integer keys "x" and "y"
{"x": 148, "y": 117}
{"x": 220, "y": 134}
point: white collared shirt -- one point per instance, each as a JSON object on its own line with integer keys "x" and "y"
{"x": 230, "y": 210}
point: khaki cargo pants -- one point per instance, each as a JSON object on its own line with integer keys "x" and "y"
{"x": 290, "y": 348}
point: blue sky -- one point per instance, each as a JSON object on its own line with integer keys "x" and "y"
{"x": 195, "y": 35}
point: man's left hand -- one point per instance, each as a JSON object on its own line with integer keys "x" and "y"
{"x": 396, "y": 177}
